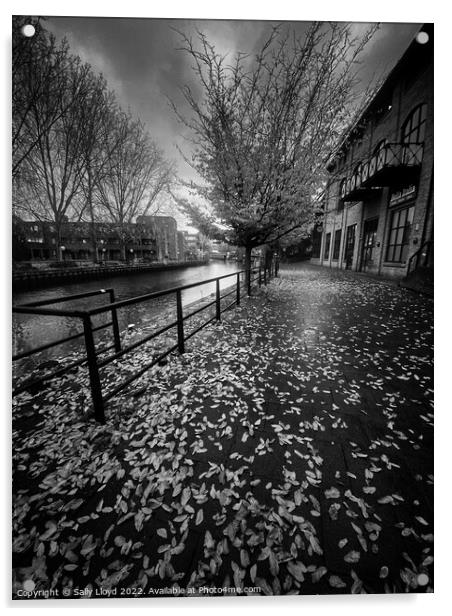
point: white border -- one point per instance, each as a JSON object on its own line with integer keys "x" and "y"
{"x": 342, "y": 10}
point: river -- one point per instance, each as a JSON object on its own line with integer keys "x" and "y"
{"x": 31, "y": 331}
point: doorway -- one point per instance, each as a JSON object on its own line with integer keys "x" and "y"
{"x": 369, "y": 237}
{"x": 349, "y": 246}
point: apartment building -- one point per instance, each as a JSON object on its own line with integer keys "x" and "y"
{"x": 150, "y": 238}
{"x": 378, "y": 206}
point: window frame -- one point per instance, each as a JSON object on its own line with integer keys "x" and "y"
{"x": 340, "y": 201}
{"x": 399, "y": 235}
{"x": 327, "y": 247}
{"x": 417, "y": 128}
{"x": 336, "y": 245}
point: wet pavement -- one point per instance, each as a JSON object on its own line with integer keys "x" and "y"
{"x": 290, "y": 449}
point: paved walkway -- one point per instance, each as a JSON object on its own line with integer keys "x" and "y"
{"x": 289, "y": 449}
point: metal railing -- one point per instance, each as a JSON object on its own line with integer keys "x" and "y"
{"x": 389, "y": 155}
{"x": 392, "y": 155}
{"x": 92, "y": 356}
{"x": 421, "y": 258}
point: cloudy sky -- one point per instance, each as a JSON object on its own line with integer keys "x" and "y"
{"x": 142, "y": 63}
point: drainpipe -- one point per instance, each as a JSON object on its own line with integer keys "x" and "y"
{"x": 360, "y": 240}
{"x": 425, "y": 229}
{"x": 384, "y": 199}
{"x": 341, "y": 252}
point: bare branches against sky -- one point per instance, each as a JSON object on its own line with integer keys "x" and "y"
{"x": 141, "y": 62}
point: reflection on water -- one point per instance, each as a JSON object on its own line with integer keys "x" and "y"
{"x": 31, "y": 331}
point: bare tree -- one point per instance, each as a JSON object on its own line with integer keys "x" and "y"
{"x": 262, "y": 129}
{"x": 53, "y": 172}
{"x": 134, "y": 175}
{"x": 99, "y": 142}
{"x": 39, "y": 76}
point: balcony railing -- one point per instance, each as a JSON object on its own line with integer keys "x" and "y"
{"x": 395, "y": 164}
{"x": 352, "y": 189}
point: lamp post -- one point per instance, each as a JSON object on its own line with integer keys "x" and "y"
{"x": 131, "y": 254}
{"x": 63, "y": 248}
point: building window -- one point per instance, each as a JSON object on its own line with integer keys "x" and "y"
{"x": 316, "y": 242}
{"x": 326, "y": 251}
{"x": 356, "y": 178}
{"x": 402, "y": 194}
{"x": 399, "y": 235}
{"x": 413, "y": 130}
{"x": 340, "y": 198}
{"x": 383, "y": 108}
{"x": 349, "y": 246}
{"x": 357, "y": 172}
{"x": 337, "y": 244}
{"x": 380, "y": 145}
{"x": 342, "y": 158}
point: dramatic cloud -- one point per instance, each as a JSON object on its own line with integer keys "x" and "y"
{"x": 142, "y": 62}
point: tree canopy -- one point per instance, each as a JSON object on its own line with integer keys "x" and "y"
{"x": 263, "y": 126}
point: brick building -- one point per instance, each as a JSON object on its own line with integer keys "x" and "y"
{"x": 151, "y": 238}
{"x": 378, "y": 206}
{"x": 180, "y": 246}
{"x": 197, "y": 245}
{"x": 164, "y": 230}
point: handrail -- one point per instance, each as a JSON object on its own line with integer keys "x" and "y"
{"x": 49, "y": 345}
{"x": 66, "y": 298}
{"x": 415, "y": 256}
{"x": 95, "y": 364}
{"x": 156, "y": 294}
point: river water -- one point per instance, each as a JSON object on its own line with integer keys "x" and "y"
{"x": 31, "y": 331}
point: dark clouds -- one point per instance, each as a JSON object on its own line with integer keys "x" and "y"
{"x": 141, "y": 61}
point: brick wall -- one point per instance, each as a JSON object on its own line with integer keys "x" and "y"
{"x": 398, "y": 97}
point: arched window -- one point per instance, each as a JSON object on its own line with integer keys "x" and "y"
{"x": 357, "y": 176}
{"x": 342, "y": 188}
{"x": 413, "y": 129}
{"x": 380, "y": 145}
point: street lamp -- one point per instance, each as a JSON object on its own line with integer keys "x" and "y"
{"x": 131, "y": 254}
{"x": 63, "y": 248}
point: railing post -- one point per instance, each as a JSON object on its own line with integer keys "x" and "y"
{"x": 94, "y": 379}
{"x": 114, "y": 319}
{"x": 265, "y": 274}
{"x": 218, "y": 301}
{"x": 248, "y": 274}
{"x": 238, "y": 289}
{"x": 260, "y": 275}
{"x": 180, "y": 322}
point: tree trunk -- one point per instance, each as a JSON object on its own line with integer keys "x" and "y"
{"x": 91, "y": 215}
{"x": 123, "y": 250}
{"x": 248, "y": 250}
{"x": 58, "y": 250}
